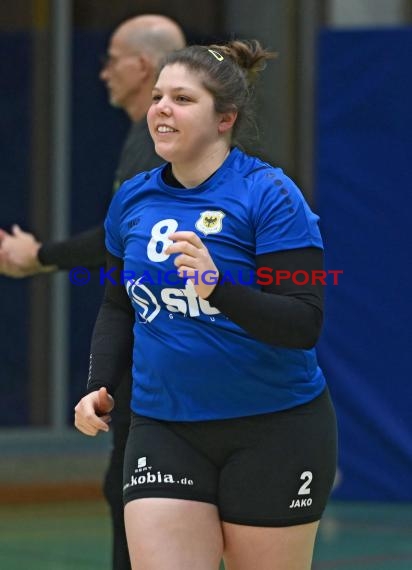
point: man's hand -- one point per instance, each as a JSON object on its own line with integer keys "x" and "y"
{"x": 92, "y": 413}
{"x": 18, "y": 254}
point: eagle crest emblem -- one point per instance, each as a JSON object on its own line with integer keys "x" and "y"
{"x": 210, "y": 222}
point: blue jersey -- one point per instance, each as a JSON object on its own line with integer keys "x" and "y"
{"x": 190, "y": 362}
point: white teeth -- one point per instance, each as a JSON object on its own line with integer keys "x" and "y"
{"x": 165, "y": 129}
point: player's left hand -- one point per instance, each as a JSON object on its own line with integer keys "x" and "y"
{"x": 194, "y": 262}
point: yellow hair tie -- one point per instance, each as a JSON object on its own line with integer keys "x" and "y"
{"x": 216, "y": 54}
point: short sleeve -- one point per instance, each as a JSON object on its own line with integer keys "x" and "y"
{"x": 113, "y": 240}
{"x": 281, "y": 216}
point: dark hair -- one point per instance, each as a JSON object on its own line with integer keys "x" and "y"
{"x": 228, "y": 72}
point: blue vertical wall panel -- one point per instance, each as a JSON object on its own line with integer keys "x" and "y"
{"x": 364, "y": 197}
{"x": 14, "y": 206}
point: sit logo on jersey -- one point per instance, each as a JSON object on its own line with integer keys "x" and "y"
{"x": 304, "y": 489}
{"x": 177, "y": 300}
{"x": 184, "y": 301}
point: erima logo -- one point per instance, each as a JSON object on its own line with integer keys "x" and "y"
{"x": 133, "y": 223}
{"x": 185, "y": 301}
{"x": 141, "y": 462}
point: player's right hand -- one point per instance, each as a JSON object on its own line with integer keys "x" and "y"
{"x": 92, "y": 413}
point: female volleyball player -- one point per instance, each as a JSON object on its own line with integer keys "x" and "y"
{"x": 232, "y": 446}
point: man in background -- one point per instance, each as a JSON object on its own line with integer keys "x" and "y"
{"x": 134, "y": 51}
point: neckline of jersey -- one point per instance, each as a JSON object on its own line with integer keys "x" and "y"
{"x": 206, "y": 185}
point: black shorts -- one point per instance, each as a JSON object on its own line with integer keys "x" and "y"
{"x": 267, "y": 470}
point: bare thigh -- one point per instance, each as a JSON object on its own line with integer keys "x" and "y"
{"x": 173, "y": 534}
{"x": 263, "y": 548}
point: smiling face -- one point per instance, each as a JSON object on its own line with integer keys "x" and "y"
{"x": 182, "y": 118}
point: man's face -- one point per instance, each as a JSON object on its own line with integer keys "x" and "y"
{"x": 123, "y": 72}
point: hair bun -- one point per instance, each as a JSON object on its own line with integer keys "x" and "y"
{"x": 248, "y": 54}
